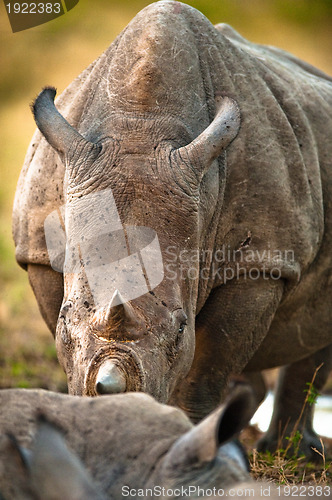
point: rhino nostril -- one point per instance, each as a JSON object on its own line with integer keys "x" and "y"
{"x": 110, "y": 379}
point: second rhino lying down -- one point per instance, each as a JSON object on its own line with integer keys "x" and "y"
{"x": 115, "y": 444}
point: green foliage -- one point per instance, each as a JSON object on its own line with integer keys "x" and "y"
{"x": 294, "y": 441}
{"x": 301, "y": 13}
{"x": 304, "y": 12}
{"x": 312, "y": 394}
{"x": 296, "y": 438}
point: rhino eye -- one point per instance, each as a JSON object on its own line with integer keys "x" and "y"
{"x": 182, "y": 327}
{"x": 62, "y": 324}
{"x": 179, "y": 336}
{"x": 65, "y": 308}
{"x": 181, "y": 319}
{"x": 180, "y": 322}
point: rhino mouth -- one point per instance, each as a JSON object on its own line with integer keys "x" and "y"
{"x": 124, "y": 360}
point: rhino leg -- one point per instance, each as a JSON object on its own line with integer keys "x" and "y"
{"x": 47, "y": 286}
{"x": 290, "y": 397}
{"x": 229, "y": 330}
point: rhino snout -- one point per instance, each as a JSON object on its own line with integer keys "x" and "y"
{"x": 115, "y": 368}
{"x": 110, "y": 379}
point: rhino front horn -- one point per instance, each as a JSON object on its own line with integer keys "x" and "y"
{"x": 56, "y": 130}
{"x": 110, "y": 379}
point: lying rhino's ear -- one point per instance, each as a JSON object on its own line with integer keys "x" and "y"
{"x": 200, "y": 445}
{"x": 211, "y": 143}
{"x": 14, "y": 472}
{"x": 56, "y": 130}
{"x": 16, "y": 453}
{"x": 54, "y": 468}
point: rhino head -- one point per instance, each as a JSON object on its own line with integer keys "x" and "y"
{"x": 127, "y": 324}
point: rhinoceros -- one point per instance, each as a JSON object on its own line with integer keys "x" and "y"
{"x": 114, "y": 446}
{"x": 216, "y": 151}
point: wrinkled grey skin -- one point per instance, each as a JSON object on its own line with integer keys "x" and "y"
{"x": 46, "y": 470}
{"x": 114, "y": 441}
{"x": 148, "y": 114}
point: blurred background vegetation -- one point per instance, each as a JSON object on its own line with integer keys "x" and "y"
{"x": 55, "y": 53}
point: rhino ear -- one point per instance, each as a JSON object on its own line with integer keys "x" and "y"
{"x": 14, "y": 472}
{"x": 213, "y": 141}
{"x": 200, "y": 445}
{"x": 53, "y": 467}
{"x": 16, "y": 453}
{"x": 56, "y": 130}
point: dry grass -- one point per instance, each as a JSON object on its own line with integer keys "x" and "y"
{"x": 282, "y": 470}
{"x": 287, "y": 466}
{"x": 288, "y": 471}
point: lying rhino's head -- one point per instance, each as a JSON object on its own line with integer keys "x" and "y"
{"x": 117, "y": 446}
{"x": 132, "y": 201}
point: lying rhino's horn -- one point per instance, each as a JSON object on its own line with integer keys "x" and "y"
{"x": 215, "y": 138}
{"x": 119, "y": 310}
{"x": 57, "y": 131}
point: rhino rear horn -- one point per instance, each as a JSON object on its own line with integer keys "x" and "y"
{"x": 56, "y": 130}
{"x": 200, "y": 445}
{"x": 119, "y": 310}
{"x": 118, "y": 313}
{"x": 211, "y": 143}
